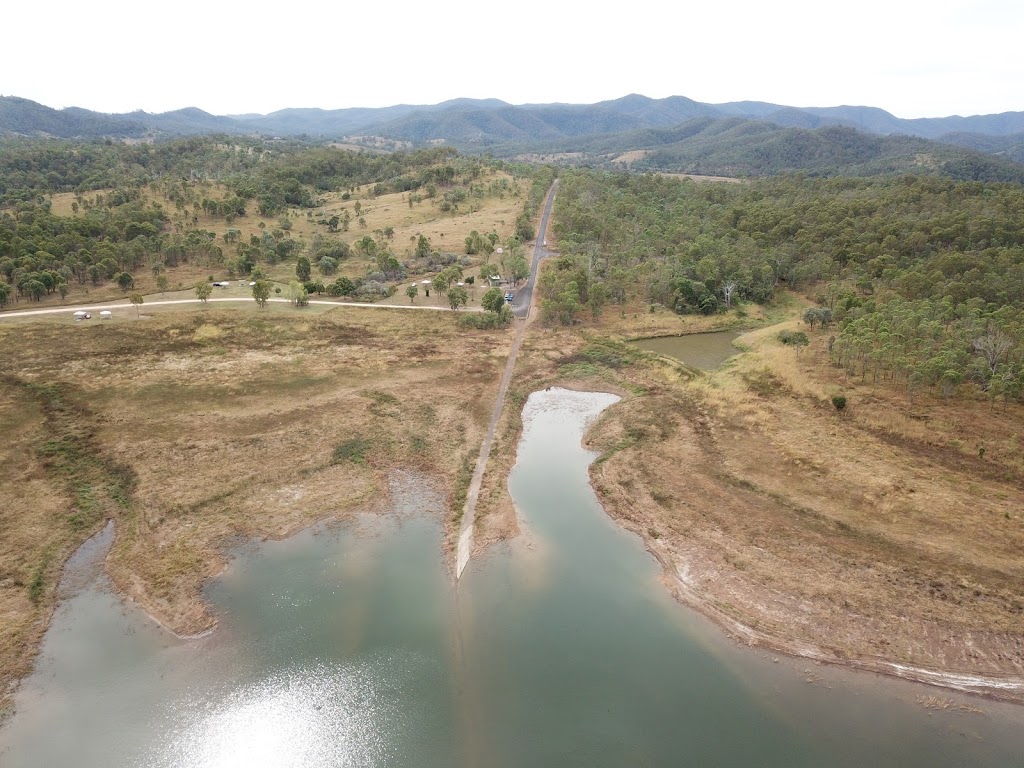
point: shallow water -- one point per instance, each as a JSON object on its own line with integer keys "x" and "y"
{"x": 347, "y": 645}
{"x": 706, "y": 351}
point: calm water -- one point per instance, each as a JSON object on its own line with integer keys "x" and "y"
{"x": 706, "y": 351}
{"x": 348, "y": 646}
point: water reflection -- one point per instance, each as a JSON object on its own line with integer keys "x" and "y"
{"x": 318, "y": 716}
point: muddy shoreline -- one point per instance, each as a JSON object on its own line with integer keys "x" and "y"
{"x": 1008, "y": 689}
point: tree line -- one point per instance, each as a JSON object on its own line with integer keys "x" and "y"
{"x": 922, "y": 277}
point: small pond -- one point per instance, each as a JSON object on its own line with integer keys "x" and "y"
{"x": 705, "y": 351}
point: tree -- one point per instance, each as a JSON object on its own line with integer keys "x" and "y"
{"x": 261, "y": 292}
{"x": 136, "y": 300}
{"x": 440, "y": 283}
{"x": 161, "y": 283}
{"x": 728, "y": 289}
{"x": 422, "y": 247}
{"x": 303, "y": 269}
{"x": 343, "y": 286}
{"x": 412, "y": 292}
{"x": 524, "y": 229}
{"x": 493, "y": 300}
{"x": 328, "y": 265}
{"x": 993, "y": 345}
{"x": 35, "y": 288}
{"x": 457, "y": 297}
{"x": 203, "y": 290}
{"x": 297, "y": 294}
{"x": 518, "y": 268}
{"x": 124, "y": 281}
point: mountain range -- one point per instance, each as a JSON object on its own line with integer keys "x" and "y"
{"x": 468, "y": 120}
{"x": 630, "y": 123}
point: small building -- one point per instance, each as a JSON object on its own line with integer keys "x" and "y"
{"x": 106, "y": 314}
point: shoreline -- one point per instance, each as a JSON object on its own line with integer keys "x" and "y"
{"x": 1004, "y": 689}
{"x": 1008, "y": 689}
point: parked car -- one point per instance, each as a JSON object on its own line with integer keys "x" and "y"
{"x": 508, "y": 297}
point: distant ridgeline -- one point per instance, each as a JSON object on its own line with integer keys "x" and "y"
{"x": 920, "y": 279}
{"x": 672, "y": 134}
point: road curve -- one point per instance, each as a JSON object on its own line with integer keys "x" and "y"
{"x": 521, "y": 308}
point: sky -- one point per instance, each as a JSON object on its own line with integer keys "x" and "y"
{"x": 910, "y": 57}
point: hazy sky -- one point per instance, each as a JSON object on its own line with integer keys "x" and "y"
{"x": 911, "y": 57}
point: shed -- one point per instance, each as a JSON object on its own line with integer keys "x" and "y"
{"x": 106, "y": 314}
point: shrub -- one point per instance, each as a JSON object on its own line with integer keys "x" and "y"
{"x": 353, "y": 450}
{"x": 487, "y": 321}
{"x": 839, "y": 402}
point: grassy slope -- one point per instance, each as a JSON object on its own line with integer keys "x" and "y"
{"x": 445, "y": 231}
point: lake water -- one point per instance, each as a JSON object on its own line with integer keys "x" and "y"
{"x": 347, "y": 645}
{"x": 706, "y": 351}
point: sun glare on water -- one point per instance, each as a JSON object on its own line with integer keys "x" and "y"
{"x": 317, "y": 717}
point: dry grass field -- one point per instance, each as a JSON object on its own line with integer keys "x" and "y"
{"x": 192, "y": 428}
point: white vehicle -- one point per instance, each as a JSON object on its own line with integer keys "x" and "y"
{"x": 106, "y": 314}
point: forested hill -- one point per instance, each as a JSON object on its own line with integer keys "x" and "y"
{"x": 738, "y": 147}
{"x": 921, "y": 279}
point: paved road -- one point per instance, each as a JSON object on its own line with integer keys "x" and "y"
{"x": 524, "y": 296}
{"x": 69, "y": 309}
{"x": 521, "y": 307}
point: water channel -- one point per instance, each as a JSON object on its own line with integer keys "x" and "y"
{"x": 347, "y": 645}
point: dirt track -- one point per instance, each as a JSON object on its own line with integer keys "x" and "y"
{"x": 522, "y": 308}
